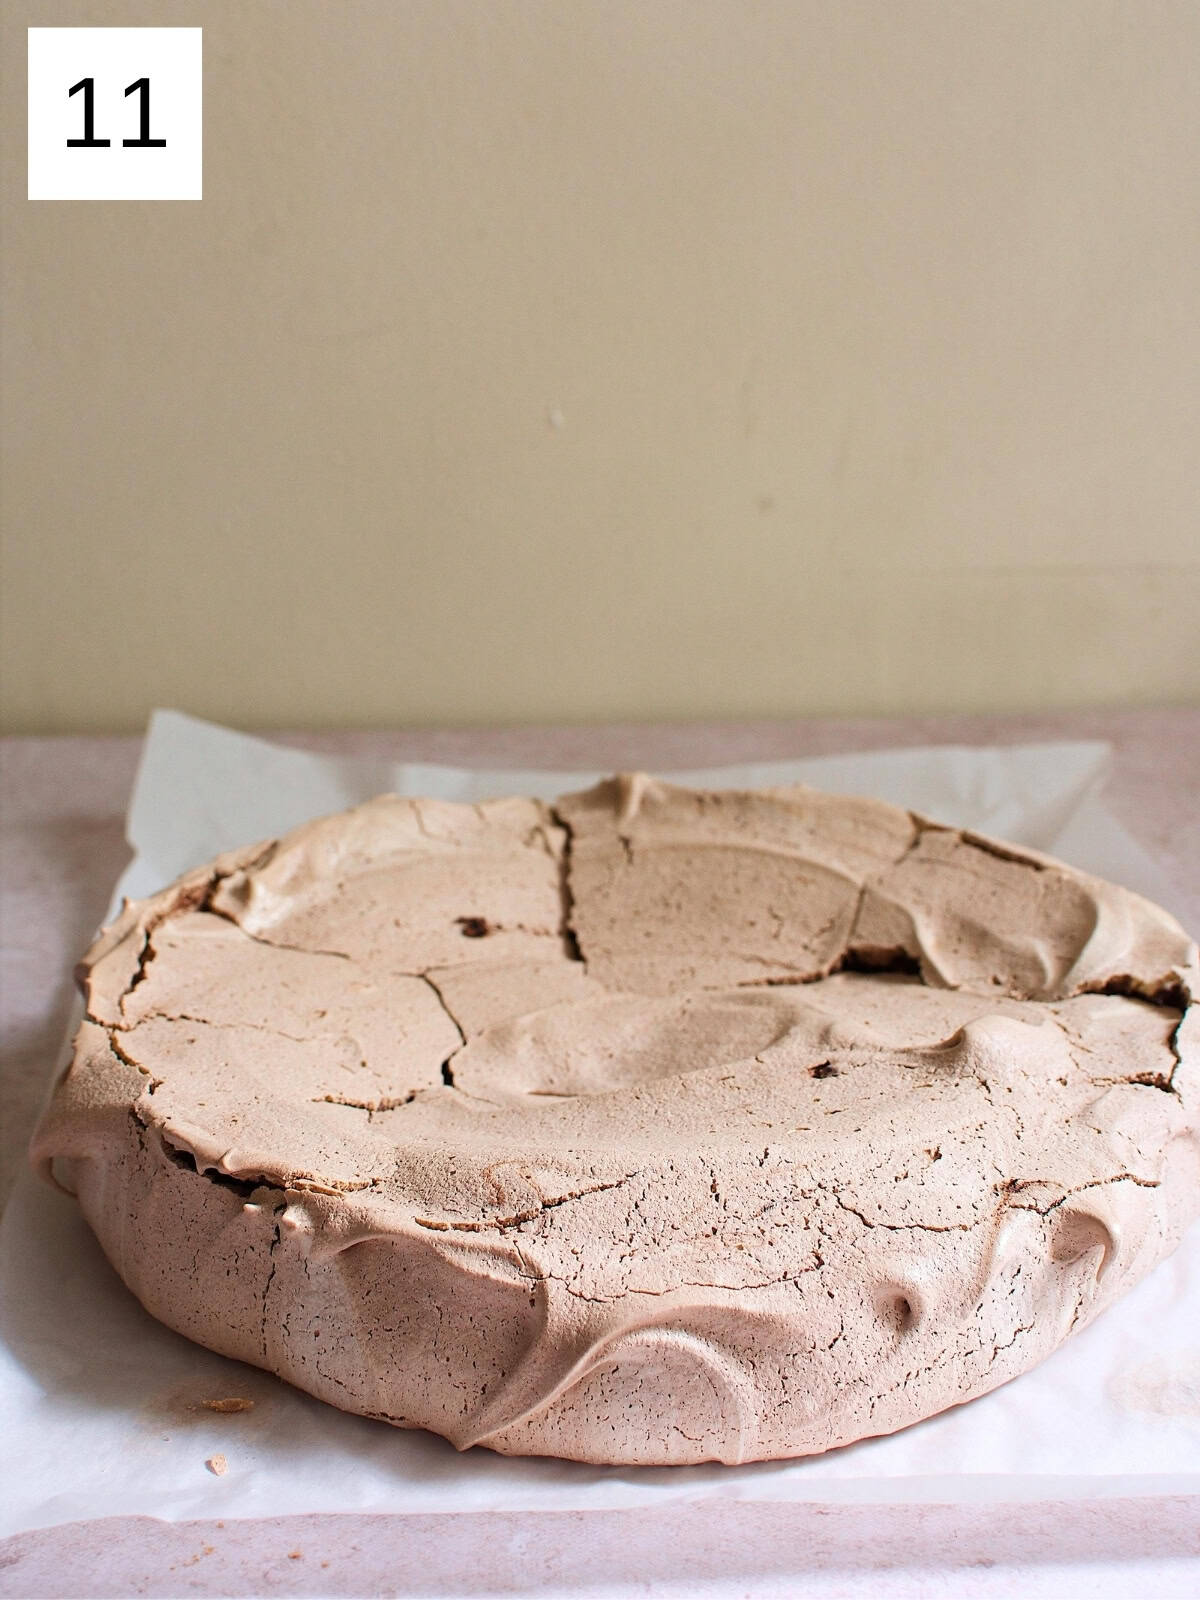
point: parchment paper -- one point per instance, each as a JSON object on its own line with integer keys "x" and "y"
{"x": 102, "y": 1408}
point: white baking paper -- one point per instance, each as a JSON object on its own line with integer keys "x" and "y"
{"x": 102, "y": 1408}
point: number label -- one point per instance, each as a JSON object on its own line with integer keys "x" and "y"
{"x": 116, "y": 113}
{"x": 140, "y": 87}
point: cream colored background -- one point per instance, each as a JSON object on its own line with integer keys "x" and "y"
{"x": 617, "y": 358}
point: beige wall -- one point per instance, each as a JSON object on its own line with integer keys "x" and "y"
{"x": 587, "y": 358}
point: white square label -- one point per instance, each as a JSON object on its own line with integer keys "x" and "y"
{"x": 115, "y": 114}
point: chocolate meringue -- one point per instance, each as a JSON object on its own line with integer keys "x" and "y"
{"x": 655, "y": 1126}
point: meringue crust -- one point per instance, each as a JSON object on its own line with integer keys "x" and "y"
{"x": 655, "y": 1126}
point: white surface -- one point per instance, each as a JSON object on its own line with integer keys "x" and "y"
{"x": 97, "y": 1400}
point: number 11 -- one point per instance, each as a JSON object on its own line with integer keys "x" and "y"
{"x": 90, "y": 142}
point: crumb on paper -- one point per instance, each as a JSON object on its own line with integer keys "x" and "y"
{"x": 199, "y": 1556}
{"x": 217, "y": 1465}
{"x": 295, "y": 1555}
{"x": 236, "y": 1402}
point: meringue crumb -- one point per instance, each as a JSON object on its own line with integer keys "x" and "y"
{"x": 234, "y": 1403}
{"x": 217, "y": 1465}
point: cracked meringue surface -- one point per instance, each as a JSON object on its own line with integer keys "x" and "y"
{"x": 655, "y": 1126}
